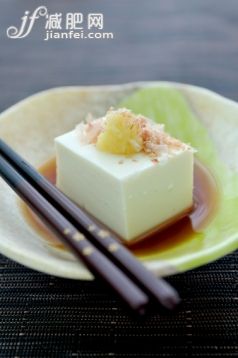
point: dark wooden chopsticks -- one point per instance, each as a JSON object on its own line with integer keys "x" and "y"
{"x": 97, "y": 263}
{"x": 103, "y": 241}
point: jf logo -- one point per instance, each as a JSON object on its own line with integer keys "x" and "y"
{"x": 73, "y": 21}
{"x": 27, "y": 23}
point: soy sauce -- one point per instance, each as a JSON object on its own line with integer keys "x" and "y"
{"x": 206, "y": 200}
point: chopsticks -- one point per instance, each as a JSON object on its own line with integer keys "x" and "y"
{"x": 103, "y": 241}
{"x": 97, "y": 263}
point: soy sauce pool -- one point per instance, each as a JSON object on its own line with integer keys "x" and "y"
{"x": 206, "y": 200}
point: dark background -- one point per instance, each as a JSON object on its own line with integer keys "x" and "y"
{"x": 178, "y": 40}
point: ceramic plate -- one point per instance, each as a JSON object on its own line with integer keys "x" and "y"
{"x": 195, "y": 115}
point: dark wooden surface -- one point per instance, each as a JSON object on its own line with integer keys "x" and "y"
{"x": 179, "y": 40}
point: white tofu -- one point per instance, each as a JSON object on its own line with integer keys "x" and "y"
{"x": 131, "y": 195}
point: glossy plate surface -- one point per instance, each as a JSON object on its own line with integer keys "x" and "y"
{"x": 195, "y": 115}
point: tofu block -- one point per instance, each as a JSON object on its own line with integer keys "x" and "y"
{"x": 131, "y": 195}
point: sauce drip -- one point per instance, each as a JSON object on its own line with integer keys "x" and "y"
{"x": 206, "y": 199}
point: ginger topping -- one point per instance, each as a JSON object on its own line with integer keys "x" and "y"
{"x": 124, "y": 133}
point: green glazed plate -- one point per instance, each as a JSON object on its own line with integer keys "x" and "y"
{"x": 197, "y": 116}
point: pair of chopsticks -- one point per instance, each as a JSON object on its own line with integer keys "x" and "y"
{"x": 98, "y": 248}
